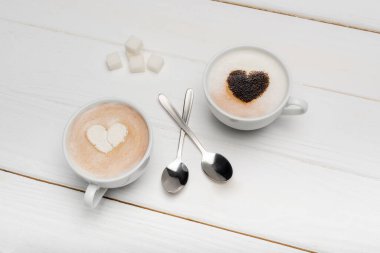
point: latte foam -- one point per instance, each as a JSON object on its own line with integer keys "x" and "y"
{"x": 248, "y": 60}
{"x": 123, "y": 156}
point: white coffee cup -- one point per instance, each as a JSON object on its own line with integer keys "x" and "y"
{"x": 97, "y": 187}
{"x": 289, "y": 105}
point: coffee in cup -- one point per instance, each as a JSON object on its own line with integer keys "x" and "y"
{"x": 247, "y": 83}
{"x": 108, "y": 144}
{"x": 248, "y": 88}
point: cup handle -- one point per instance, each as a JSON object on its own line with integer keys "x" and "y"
{"x": 93, "y": 195}
{"x": 295, "y": 106}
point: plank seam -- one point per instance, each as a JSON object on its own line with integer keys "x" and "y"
{"x": 341, "y": 93}
{"x": 297, "y": 16}
{"x": 97, "y": 39}
{"x": 162, "y": 52}
{"x": 161, "y": 212}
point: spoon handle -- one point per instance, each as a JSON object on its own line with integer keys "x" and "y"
{"x": 164, "y": 101}
{"x": 187, "y": 105}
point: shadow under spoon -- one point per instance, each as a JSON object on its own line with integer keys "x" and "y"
{"x": 214, "y": 165}
{"x": 175, "y": 175}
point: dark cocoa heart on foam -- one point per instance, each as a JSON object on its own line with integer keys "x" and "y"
{"x": 247, "y": 87}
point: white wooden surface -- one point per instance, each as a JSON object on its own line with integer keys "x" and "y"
{"x": 310, "y": 181}
{"x": 39, "y": 217}
{"x": 318, "y": 54}
{"x": 356, "y": 14}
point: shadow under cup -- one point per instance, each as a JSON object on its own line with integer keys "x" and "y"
{"x": 262, "y": 110}
{"x": 124, "y": 163}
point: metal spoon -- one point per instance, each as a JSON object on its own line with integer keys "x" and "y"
{"x": 175, "y": 175}
{"x": 216, "y": 166}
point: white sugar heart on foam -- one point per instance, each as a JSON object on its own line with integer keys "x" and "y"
{"x": 105, "y": 140}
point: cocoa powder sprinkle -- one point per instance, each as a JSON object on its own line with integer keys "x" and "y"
{"x": 247, "y": 87}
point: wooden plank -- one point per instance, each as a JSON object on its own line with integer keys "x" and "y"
{"x": 357, "y": 14}
{"x": 321, "y": 55}
{"x": 39, "y": 217}
{"x": 295, "y": 181}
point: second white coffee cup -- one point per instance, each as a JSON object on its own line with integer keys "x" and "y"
{"x": 97, "y": 187}
{"x": 289, "y": 105}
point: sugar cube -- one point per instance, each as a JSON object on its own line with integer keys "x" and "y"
{"x": 136, "y": 63}
{"x": 155, "y": 63}
{"x": 129, "y": 55}
{"x": 133, "y": 45}
{"x": 113, "y": 61}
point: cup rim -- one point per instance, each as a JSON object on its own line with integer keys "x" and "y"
{"x": 237, "y": 118}
{"x": 86, "y": 176}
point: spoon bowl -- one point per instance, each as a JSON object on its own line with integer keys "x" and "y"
{"x": 175, "y": 176}
{"x": 216, "y": 167}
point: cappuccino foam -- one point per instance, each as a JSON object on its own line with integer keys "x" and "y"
{"x": 247, "y": 59}
{"x": 124, "y": 156}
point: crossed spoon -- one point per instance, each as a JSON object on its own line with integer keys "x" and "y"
{"x": 175, "y": 175}
{"x": 214, "y": 165}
